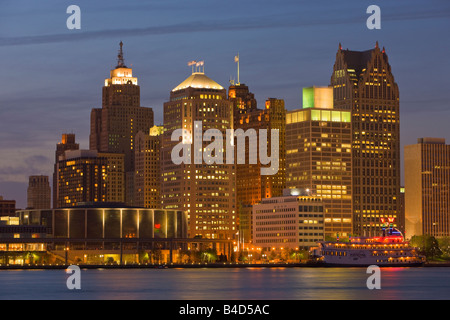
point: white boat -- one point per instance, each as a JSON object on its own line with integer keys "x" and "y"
{"x": 389, "y": 250}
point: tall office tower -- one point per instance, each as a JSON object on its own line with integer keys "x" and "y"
{"x": 39, "y": 193}
{"x": 251, "y": 186}
{"x": 7, "y": 207}
{"x": 114, "y": 126}
{"x": 319, "y": 156}
{"x": 82, "y": 178}
{"x": 206, "y": 192}
{"x": 427, "y": 188}
{"x": 147, "y": 187}
{"x": 363, "y": 84}
{"x": 67, "y": 143}
{"x": 115, "y": 176}
{"x": 243, "y": 100}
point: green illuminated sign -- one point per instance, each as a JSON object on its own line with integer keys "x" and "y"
{"x": 308, "y": 98}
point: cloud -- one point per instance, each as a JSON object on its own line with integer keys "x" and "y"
{"x": 18, "y": 169}
{"x": 276, "y": 21}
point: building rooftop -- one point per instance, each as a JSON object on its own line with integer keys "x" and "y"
{"x": 198, "y": 80}
{"x": 358, "y": 60}
{"x": 431, "y": 141}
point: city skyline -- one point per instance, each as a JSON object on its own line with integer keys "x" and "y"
{"x": 42, "y": 100}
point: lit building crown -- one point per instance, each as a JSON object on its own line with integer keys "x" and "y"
{"x": 198, "y": 79}
{"x": 121, "y": 74}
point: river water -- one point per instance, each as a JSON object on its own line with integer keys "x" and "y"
{"x": 228, "y": 284}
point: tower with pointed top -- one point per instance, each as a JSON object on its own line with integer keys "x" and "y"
{"x": 120, "y": 59}
{"x": 363, "y": 83}
{"x": 115, "y": 125}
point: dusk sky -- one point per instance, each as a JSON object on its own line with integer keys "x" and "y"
{"x": 52, "y": 77}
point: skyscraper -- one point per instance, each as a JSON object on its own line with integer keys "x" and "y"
{"x": 363, "y": 83}
{"x": 82, "y": 178}
{"x": 114, "y": 126}
{"x": 39, "y": 193}
{"x": 67, "y": 143}
{"x": 90, "y": 176}
{"x": 251, "y": 185}
{"x": 243, "y": 100}
{"x": 319, "y": 156}
{"x": 206, "y": 192}
{"x": 115, "y": 176}
{"x": 147, "y": 184}
{"x": 427, "y": 188}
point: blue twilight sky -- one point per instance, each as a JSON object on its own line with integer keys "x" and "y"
{"x": 51, "y": 77}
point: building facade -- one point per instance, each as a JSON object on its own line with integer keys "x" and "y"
{"x": 67, "y": 143}
{"x": 147, "y": 186}
{"x": 39, "y": 193}
{"x": 7, "y": 207}
{"x": 115, "y": 176}
{"x": 82, "y": 178}
{"x": 291, "y": 221}
{"x": 206, "y": 192}
{"x": 251, "y": 185}
{"x": 319, "y": 157}
{"x": 427, "y": 188}
{"x": 107, "y": 222}
{"x": 363, "y": 83}
{"x": 242, "y": 99}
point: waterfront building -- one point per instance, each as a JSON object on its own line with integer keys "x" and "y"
{"x": 109, "y": 233}
{"x": 15, "y": 240}
{"x": 363, "y": 83}
{"x": 107, "y": 221}
{"x": 427, "y": 188}
{"x": 294, "y": 220}
{"x": 39, "y": 192}
{"x": 319, "y": 156}
{"x": 206, "y": 192}
{"x": 21, "y": 232}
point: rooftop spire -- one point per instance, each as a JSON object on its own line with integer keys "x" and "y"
{"x": 120, "y": 59}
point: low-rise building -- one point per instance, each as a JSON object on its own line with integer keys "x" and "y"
{"x": 295, "y": 220}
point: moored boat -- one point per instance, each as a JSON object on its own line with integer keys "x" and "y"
{"x": 388, "y": 250}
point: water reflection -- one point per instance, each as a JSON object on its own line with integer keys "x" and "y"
{"x": 228, "y": 284}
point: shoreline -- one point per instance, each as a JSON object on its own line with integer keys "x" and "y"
{"x": 204, "y": 266}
